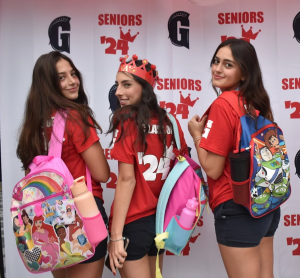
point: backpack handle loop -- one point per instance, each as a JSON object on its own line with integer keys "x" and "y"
{"x": 41, "y": 158}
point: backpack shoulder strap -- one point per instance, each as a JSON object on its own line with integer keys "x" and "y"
{"x": 57, "y": 135}
{"x": 164, "y": 195}
{"x": 175, "y": 130}
{"x": 56, "y": 141}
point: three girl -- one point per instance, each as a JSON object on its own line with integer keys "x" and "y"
{"x": 142, "y": 136}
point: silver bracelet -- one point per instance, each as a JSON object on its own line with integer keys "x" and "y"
{"x": 114, "y": 240}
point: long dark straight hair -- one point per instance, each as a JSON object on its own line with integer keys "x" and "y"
{"x": 44, "y": 98}
{"x": 252, "y": 90}
{"x": 141, "y": 113}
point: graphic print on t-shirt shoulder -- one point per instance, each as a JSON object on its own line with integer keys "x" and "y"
{"x": 207, "y": 128}
{"x": 155, "y": 129}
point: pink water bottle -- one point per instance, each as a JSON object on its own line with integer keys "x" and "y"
{"x": 188, "y": 214}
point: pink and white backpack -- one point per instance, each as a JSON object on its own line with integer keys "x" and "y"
{"x": 44, "y": 241}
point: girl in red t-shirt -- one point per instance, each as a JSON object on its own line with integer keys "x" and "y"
{"x": 143, "y": 145}
{"x": 57, "y": 85}
{"x": 245, "y": 243}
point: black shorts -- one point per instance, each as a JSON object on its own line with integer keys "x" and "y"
{"x": 141, "y": 234}
{"x": 101, "y": 248}
{"x": 235, "y": 227}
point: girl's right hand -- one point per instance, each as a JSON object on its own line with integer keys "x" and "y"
{"x": 117, "y": 254}
{"x": 196, "y": 126}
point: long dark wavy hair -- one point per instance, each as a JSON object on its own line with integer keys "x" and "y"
{"x": 141, "y": 113}
{"x": 252, "y": 89}
{"x": 45, "y": 97}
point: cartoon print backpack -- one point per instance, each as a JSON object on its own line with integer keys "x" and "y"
{"x": 45, "y": 240}
{"x": 268, "y": 185}
{"x": 184, "y": 182}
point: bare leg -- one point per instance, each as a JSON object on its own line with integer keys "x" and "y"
{"x": 90, "y": 270}
{"x": 136, "y": 269}
{"x": 249, "y": 262}
{"x": 152, "y": 261}
{"x": 241, "y": 262}
{"x": 266, "y": 257}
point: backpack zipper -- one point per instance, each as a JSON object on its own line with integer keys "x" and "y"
{"x": 39, "y": 201}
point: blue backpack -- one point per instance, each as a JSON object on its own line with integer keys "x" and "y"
{"x": 268, "y": 185}
{"x": 184, "y": 182}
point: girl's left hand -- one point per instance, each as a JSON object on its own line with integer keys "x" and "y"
{"x": 117, "y": 254}
{"x": 196, "y": 126}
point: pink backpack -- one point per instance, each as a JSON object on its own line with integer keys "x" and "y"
{"x": 44, "y": 241}
{"x": 185, "y": 181}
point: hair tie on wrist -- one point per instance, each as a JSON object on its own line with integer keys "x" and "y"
{"x": 197, "y": 138}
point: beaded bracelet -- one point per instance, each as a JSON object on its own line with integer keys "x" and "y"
{"x": 114, "y": 240}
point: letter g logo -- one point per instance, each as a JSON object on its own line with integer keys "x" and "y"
{"x": 296, "y": 27}
{"x": 60, "y": 41}
{"x": 178, "y": 26}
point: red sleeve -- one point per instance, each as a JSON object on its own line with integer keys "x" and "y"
{"x": 218, "y": 135}
{"x": 76, "y": 133}
{"x": 123, "y": 149}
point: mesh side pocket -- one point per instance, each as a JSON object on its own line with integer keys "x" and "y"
{"x": 241, "y": 192}
{"x": 95, "y": 229}
{"x": 178, "y": 236}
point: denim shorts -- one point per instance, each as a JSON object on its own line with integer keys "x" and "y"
{"x": 235, "y": 227}
{"x": 141, "y": 234}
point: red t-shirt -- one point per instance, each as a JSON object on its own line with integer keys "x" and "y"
{"x": 151, "y": 169}
{"x": 219, "y": 137}
{"x": 73, "y": 145}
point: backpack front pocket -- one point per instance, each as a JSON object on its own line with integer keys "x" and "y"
{"x": 179, "y": 236}
{"x": 45, "y": 242}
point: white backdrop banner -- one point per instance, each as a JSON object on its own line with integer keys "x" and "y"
{"x": 179, "y": 37}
